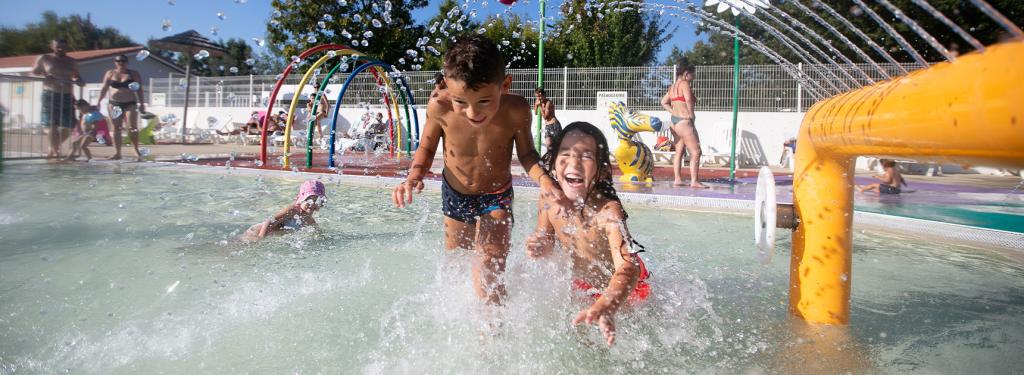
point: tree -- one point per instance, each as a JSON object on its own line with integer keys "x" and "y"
{"x": 238, "y": 51}
{"x": 298, "y": 25}
{"x": 80, "y": 33}
{"x": 608, "y": 33}
{"x": 719, "y": 48}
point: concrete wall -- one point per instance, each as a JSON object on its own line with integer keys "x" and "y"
{"x": 762, "y": 133}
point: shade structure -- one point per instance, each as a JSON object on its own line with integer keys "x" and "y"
{"x": 188, "y": 43}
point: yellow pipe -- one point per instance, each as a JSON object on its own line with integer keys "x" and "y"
{"x": 295, "y": 100}
{"x": 969, "y": 112}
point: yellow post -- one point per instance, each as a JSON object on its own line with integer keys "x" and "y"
{"x": 970, "y": 112}
{"x": 295, "y": 100}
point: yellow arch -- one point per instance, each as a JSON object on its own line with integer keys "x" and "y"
{"x": 969, "y": 112}
{"x": 298, "y": 92}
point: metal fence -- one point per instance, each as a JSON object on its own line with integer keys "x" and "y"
{"x": 22, "y": 132}
{"x": 763, "y": 88}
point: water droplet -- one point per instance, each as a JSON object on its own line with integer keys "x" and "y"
{"x": 295, "y": 59}
{"x": 115, "y": 112}
{"x": 328, "y": 18}
{"x": 481, "y": 31}
{"x": 346, "y": 34}
{"x": 311, "y": 39}
{"x": 171, "y": 2}
{"x": 250, "y": 62}
{"x": 569, "y": 56}
{"x": 166, "y": 25}
{"x": 365, "y": 43}
{"x": 331, "y": 54}
{"x": 342, "y": 2}
{"x": 259, "y": 163}
{"x": 134, "y": 86}
{"x": 214, "y": 30}
{"x": 433, "y": 50}
{"x": 276, "y": 14}
{"x": 202, "y": 54}
{"x": 357, "y": 18}
{"x": 222, "y": 16}
{"x": 142, "y": 55}
{"x": 376, "y": 23}
{"x": 321, "y": 25}
{"x": 278, "y": 77}
{"x": 368, "y": 34}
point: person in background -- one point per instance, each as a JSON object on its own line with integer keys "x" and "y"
{"x": 891, "y": 180}
{"x": 546, "y": 109}
{"x": 89, "y": 119}
{"x": 680, "y": 104}
{"x": 58, "y": 101}
{"x": 126, "y": 101}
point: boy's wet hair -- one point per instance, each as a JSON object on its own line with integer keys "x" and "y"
{"x": 888, "y": 163}
{"x": 476, "y": 61}
{"x": 604, "y": 185}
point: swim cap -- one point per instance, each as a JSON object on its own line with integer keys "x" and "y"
{"x": 310, "y": 188}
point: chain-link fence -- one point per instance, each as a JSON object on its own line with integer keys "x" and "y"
{"x": 763, "y": 88}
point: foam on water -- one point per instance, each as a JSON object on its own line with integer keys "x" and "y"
{"x": 168, "y": 289}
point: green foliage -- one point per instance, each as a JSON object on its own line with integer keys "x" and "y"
{"x": 598, "y": 36}
{"x": 288, "y": 34}
{"x": 80, "y": 33}
{"x": 718, "y": 50}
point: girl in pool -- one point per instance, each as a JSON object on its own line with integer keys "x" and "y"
{"x": 594, "y": 233}
{"x": 312, "y": 196}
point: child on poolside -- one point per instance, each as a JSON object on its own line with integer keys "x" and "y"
{"x": 85, "y": 132}
{"x": 891, "y": 180}
{"x": 594, "y": 232}
{"x": 312, "y": 197}
{"x": 479, "y": 122}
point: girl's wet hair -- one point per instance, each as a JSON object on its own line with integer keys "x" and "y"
{"x": 603, "y": 185}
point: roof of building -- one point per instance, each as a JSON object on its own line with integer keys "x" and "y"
{"x": 27, "y": 61}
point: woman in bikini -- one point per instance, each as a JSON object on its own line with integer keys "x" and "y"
{"x": 125, "y": 102}
{"x": 680, "y": 103}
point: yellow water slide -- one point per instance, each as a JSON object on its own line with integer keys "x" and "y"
{"x": 968, "y": 112}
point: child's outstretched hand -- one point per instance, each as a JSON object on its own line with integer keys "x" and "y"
{"x": 550, "y": 190}
{"x": 403, "y": 192}
{"x": 538, "y": 244}
{"x": 601, "y": 315}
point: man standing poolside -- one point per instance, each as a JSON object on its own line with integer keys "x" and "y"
{"x": 58, "y": 111}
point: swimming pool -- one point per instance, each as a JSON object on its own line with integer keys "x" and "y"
{"x": 120, "y": 268}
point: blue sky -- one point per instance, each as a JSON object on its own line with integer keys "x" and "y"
{"x": 142, "y": 19}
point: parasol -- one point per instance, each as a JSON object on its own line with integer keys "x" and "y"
{"x": 188, "y": 43}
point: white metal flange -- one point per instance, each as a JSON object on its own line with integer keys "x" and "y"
{"x": 764, "y": 215}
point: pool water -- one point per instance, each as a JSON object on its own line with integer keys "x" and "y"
{"x": 123, "y": 269}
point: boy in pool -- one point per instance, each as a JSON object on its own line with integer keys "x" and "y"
{"x": 312, "y": 196}
{"x": 891, "y": 180}
{"x": 594, "y": 232}
{"x": 479, "y": 122}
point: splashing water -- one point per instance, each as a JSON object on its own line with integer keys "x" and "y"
{"x": 233, "y": 70}
{"x": 328, "y": 18}
{"x": 134, "y": 86}
{"x": 321, "y": 25}
{"x": 368, "y": 34}
{"x": 202, "y": 54}
{"x": 222, "y": 16}
{"x": 311, "y": 39}
{"x": 332, "y": 54}
{"x": 142, "y": 55}
{"x": 166, "y": 25}
{"x": 481, "y": 30}
{"x": 259, "y": 42}
{"x": 365, "y": 43}
{"x": 357, "y": 18}
{"x": 433, "y": 50}
{"x": 295, "y": 59}
{"x": 346, "y": 34}
{"x": 115, "y": 112}
{"x": 376, "y": 23}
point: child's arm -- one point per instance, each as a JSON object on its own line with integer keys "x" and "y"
{"x": 542, "y": 241}
{"x": 622, "y": 282}
{"x": 529, "y": 159}
{"x": 422, "y": 160}
{"x": 278, "y": 220}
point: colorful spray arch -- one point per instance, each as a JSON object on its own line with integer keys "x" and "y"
{"x": 379, "y": 71}
{"x": 411, "y": 140}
